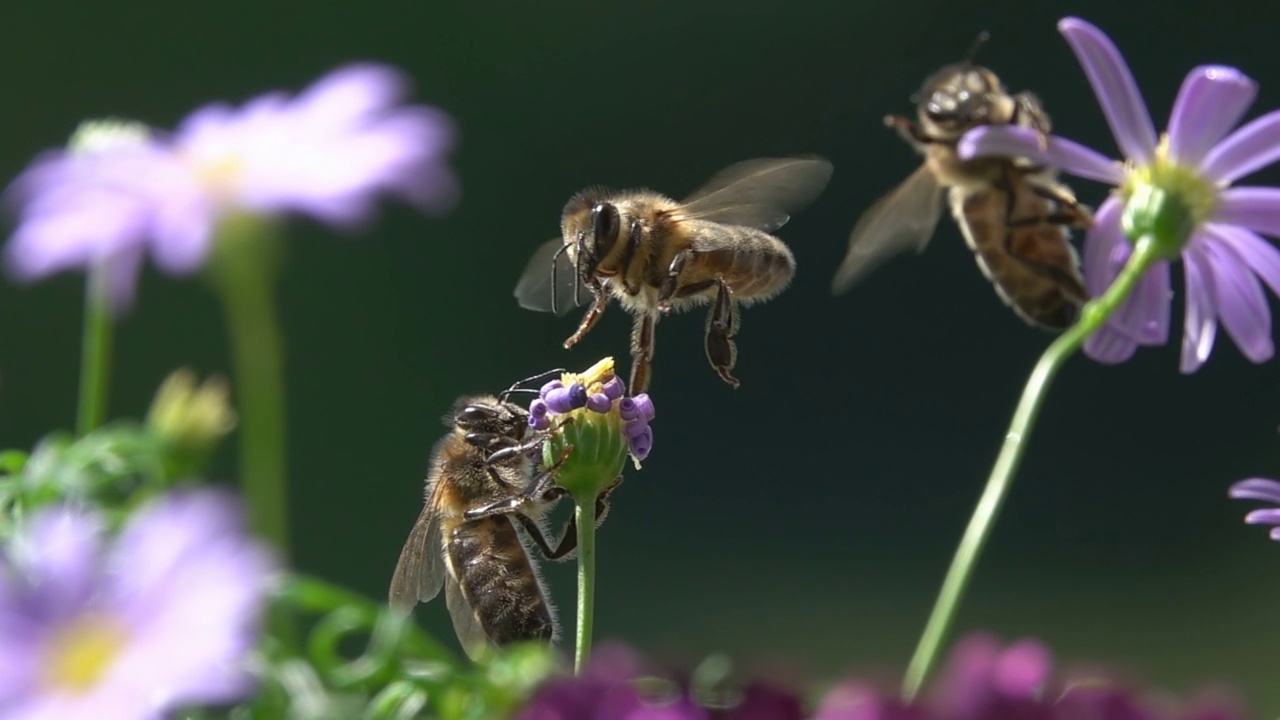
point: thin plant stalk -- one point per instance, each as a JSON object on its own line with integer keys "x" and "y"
{"x": 584, "y": 513}
{"x": 95, "y": 353}
{"x": 1093, "y": 316}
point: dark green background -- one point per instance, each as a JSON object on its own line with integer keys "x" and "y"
{"x": 803, "y": 522}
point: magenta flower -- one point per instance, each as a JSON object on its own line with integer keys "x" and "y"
{"x": 985, "y": 680}
{"x": 160, "y": 617}
{"x": 1177, "y": 188}
{"x": 327, "y": 152}
{"x": 1260, "y": 489}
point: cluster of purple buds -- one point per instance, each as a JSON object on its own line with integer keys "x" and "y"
{"x": 556, "y": 398}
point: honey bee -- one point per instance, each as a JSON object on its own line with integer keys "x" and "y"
{"x": 655, "y": 255}
{"x": 1014, "y": 215}
{"x": 482, "y": 476}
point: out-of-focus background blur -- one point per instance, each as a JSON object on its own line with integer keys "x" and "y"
{"x": 802, "y": 523}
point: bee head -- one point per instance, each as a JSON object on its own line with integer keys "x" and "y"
{"x": 959, "y": 98}
{"x": 489, "y": 416}
{"x": 591, "y": 224}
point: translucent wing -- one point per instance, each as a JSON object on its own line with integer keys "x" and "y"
{"x": 536, "y": 287}
{"x": 470, "y": 634}
{"x": 420, "y": 571}
{"x": 903, "y": 219}
{"x": 760, "y": 193}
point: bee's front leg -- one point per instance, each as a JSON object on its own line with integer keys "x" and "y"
{"x": 908, "y": 130}
{"x": 722, "y": 327}
{"x": 598, "y": 304}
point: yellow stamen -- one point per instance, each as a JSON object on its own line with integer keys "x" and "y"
{"x": 81, "y": 652}
{"x": 1196, "y": 194}
{"x": 593, "y": 378}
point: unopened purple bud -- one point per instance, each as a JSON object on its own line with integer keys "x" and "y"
{"x": 549, "y": 387}
{"x": 538, "y": 408}
{"x": 558, "y": 400}
{"x": 539, "y": 422}
{"x": 615, "y": 388}
{"x": 645, "y": 406}
{"x": 634, "y": 427}
{"x": 641, "y": 444}
{"x": 577, "y": 395}
{"x": 627, "y": 409}
{"x": 599, "y": 402}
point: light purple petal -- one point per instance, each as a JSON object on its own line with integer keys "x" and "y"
{"x": 353, "y": 91}
{"x": 1109, "y": 346}
{"x": 1251, "y": 148}
{"x": 1242, "y": 306}
{"x": 1113, "y": 84}
{"x": 1104, "y": 245}
{"x": 1257, "y": 208}
{"x": 1058, "y": 152}
{"x": 1023, "y": 669}
{"x": 1261, "y": 256}
{"x": 1212, "y": 100}
{"x": 1202, "y": 311}
{"x": 1266, "y": 516}
{"x": 57, "y": 555}
{"x": 1263, "y": 489}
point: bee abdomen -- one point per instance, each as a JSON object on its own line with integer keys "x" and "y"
{"x": 499, "y": 581}
{"x": 756, "y": 265}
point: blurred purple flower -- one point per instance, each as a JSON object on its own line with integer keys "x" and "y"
{"x": 984, "y": 680}
{"x": 1260, "y": 489}
{"x": 1193, "y": 165}
{"x": 161, "y": 618}
{"x": 327, "y": 152}
{"x": 605, "y": 691}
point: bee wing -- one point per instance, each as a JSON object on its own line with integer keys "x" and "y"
{"x": 470, "y": 634}
{"x": 905, "y": 218}
{"x": 760, "y": 193}
{"x": 420, "y": 571}
{"x": 539, "y": 283}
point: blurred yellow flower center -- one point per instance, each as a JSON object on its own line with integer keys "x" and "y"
{"x": 220, "y": 175}
{"x": 80, "y": 653}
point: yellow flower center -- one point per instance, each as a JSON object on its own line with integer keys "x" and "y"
{"x": 593, "y": 378}
{"x": 220, "y": 175}
{"x": 81, "y": 652}
{"x": 1195, "y": 194}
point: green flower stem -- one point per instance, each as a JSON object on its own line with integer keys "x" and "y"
{"x": 584, "y": 512}
{"x": 1092, "y": 317}
{"x": 244, "y": 270}
{"x": 95, "y": 353}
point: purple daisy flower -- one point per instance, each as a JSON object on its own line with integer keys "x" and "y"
{"x": 1266, "y": 491}
{"x": 161, "y": 617}
{"x": 327, "y": 152}
{"x": 1181, "y": 180}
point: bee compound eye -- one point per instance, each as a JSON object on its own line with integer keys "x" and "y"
{"x": 472, "y": 414}
{"x": 605, "y": 222}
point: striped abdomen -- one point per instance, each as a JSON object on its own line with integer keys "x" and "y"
{"x": 755, "y": 264}
{"x": 499, "y": 581}
{"x": 1033, "y": 265}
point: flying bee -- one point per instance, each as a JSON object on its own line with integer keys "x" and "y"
{"x": 1014, "y": 215}
{"x": 482, "y": 476}
{"x": 655, "y": 255}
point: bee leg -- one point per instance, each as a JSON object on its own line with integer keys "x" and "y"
{"x": 569, "y": 536}
{"x": 635, "y": 234}
{"x": 722, "y": 327}
{"x": 908, "y": 130}
{"x": 641, "y": 351}
{"x": 541, "y": 488}
{"x": 669, "y": 284}
{"x": 598, "y": 303}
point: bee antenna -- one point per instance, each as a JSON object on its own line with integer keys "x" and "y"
{"x": 555, "y": 285}
{"x": 515, "y": 387}
{"x": 978, "y": 42}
